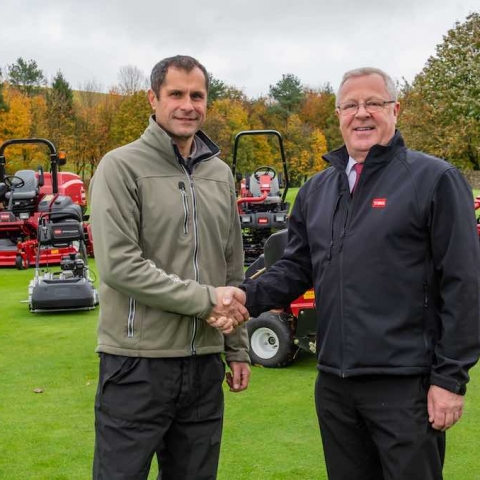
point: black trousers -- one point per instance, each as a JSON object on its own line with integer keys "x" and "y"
{"x": 376, "y": 428}
{"x": 172, "y": 407}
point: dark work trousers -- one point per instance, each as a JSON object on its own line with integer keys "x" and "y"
{"x": 172, "y": 407}
{"x": 377, "y": 428}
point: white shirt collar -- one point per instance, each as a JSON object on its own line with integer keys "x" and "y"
{"x": 350, "y": 164}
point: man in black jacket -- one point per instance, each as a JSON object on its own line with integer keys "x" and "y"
{"x": 387, "y": 237}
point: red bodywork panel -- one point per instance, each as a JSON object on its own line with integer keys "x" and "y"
{"x": 303, "y": 302}
{"x": 69, "y": 185}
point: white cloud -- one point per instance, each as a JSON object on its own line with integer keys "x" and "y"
{"x": 248, "y": 44}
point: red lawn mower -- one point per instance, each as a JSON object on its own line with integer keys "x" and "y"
{"x": 21, "y": 196}
{"x": 261, "y": 202}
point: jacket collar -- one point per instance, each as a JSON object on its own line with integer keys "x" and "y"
{"x": 157, "y": 138}
{"x": 377, "y": 154}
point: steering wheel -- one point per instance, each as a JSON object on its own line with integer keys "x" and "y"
{"x": 265, "y": 171}
{"x": 12, "y": 181}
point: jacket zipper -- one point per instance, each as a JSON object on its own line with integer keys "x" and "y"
{"x": 340, "y": 253}
{"x": 131, "y": 317}
{"x": 181, "y": 186}
{"x": 195, "y": 252}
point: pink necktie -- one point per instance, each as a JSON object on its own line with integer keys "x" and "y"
{"x": 358, "y": 170}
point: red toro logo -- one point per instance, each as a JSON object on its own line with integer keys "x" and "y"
{"x": 379, "y": 203}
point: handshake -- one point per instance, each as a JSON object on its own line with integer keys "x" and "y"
{"x": 230, "y": 311}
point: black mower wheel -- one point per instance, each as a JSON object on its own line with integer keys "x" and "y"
{"x": 271, "y": 341}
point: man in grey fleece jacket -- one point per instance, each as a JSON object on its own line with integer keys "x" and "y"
{"x": 169, "y": 253}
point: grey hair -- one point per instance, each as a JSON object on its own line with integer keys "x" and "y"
{"x": 182, "y": 62}
{"x": 360, "y": 72}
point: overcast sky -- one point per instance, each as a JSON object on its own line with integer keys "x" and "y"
{"x": 248, "y": 44}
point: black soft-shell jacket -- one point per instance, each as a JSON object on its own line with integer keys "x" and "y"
{"x": 395, "y": 267}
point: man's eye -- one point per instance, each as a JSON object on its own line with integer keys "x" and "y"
{"x": 374, "y": 104}
{"x": 349, "y": 106}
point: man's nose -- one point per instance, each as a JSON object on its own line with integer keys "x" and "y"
{"x": 187, "y": 103}
{"x": 362, "y": 111}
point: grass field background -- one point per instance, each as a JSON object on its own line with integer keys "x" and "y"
{"x": 270, "y": 431}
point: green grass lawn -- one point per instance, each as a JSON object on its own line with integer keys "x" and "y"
{"x": 270, "y": 430}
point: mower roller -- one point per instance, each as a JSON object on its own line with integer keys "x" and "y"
{"x": 261, "y": 203}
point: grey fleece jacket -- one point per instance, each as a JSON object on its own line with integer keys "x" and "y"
{"x": 165, "y": 234}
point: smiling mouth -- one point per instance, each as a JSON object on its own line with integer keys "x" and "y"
{"x": 363, "y": 129}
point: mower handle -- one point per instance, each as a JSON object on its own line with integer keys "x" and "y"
{"x": 23, "y": 141}
{"x": 282, "y": 153}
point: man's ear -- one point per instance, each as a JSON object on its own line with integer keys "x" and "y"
{"x": 152, "y": 98}
{"x": 396, "y": 110}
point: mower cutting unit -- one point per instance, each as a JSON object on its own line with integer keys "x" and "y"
{"x": 261, "y": 203}
{"x": 21, "y": 195}
{"x": 70, "y": 288}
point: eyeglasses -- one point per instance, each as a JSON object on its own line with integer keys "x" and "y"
{"x": 372, "y": 106}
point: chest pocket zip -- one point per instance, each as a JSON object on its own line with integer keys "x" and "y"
{"x": 181, "y": 186}
{"x": 332, "y": 223}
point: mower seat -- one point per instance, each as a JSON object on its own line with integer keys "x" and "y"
{"x": 274, "y": 247}
{"x": 29, "y": 190}
{"x": 255, "y": 187}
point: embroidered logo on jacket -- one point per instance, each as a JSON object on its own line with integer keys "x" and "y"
{"x": 379, "y": 203}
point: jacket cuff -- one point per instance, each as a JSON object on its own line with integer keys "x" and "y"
{"x": 212, "y": 298}
{"x": 448, "y": 384}
{"x": 237, "y": 345}
{"x": 239, "y": 356}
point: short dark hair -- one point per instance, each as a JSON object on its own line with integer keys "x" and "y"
{"x": 182, "y": 62}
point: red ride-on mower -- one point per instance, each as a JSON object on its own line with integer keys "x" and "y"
{"x": 21, "y": 195}
{"x": 261, "y": 203}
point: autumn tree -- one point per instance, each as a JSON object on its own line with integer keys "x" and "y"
{"x": 318, "y": 111}
{"x": 225, "y": 119}
{"x": 441, "y": 113}
{"x": 131, "y": 118}
{"x": 26, "y": 76}
{"x": 131, "y": 80}
{"x": 38, "y": 117}
{"x": 15, "y": 122}
{"x": 217, "y": 89}
{"x": 287, "y": 94}
{"x": 60, "y": 112}
{"x": 3, "y": 103}
{"x": 93, "y": 122}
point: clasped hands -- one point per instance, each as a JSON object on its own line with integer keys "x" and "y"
{"x": 230, "y": 311}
